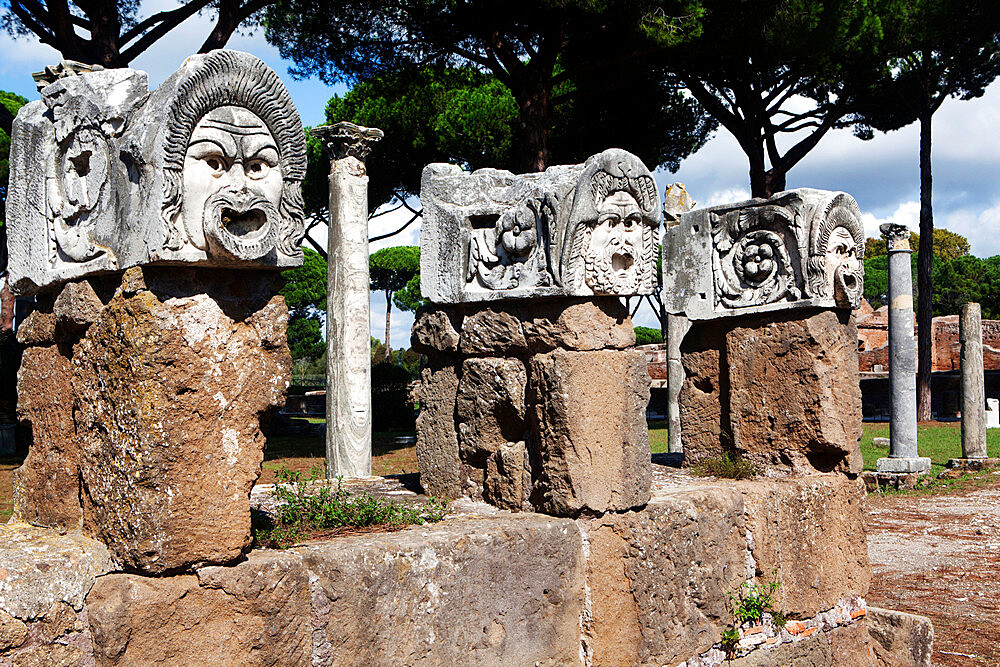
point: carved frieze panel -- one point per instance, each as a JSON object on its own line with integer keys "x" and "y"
{"x": 577, "y": 230}
{"x": 800, "y": 248}
{"x": 205, "y": 169}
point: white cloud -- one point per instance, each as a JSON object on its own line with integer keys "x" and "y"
{"x": 907, "y": 214}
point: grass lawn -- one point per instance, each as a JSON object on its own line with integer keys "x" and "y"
{"x": 938, "y": 440}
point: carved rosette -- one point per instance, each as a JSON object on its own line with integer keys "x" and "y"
{"x": 753, "y": 258}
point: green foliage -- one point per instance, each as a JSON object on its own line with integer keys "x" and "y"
{"x": 390, "y": 269}
{"x": 433, "y": 114}
{"x": 727, "y": 466}
{"x": 549, "y": 82}
{"x": 409, "y": 298}
{"x": 308, "y": 508}
{"x": 729, "y": 641}
{"x": 751, "y": 601}
{"x": 647, "y": 336}
{"x": 947, "y": 245}
{"x": 776, "y": 68}
{"x": 305, "y": 294}
{"x": 305, "y": 286}
{"x": 305, "y": 338}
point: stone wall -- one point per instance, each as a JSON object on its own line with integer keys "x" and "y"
{"x": 145, "y": 392}
{"x": 781, "y": 389}
{"x": 639, "y": 587}
{"x": 534, "y": 405}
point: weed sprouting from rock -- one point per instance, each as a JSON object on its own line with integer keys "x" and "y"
{"x": 308, "y": 509}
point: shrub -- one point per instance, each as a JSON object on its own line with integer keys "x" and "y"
{"x": 728, "y": 466}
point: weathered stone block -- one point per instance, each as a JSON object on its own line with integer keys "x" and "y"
{"x": 256, "y": 613}
{"x": 808, "y": 534}
{"x": 490, "y": 408}
{"x": 780, "y": 390}
{"x": 900, "y": 639}
{"x": 75, "y": 309}
{"x": 507, "y": 481}
{"x": 47, "y": 485}
{"x": 37, "y": 329}
{"x": 659, "y": 577}
{"x": 437, "y": 433}
{"x": 39, "y": 567}
{"x": 590, "y": 432}
{"x": 493, "y": 331}
{"x": 436, "y": 329}
{"x": 171, "y": 384}
{"x": 795, "y": 396}
{"x": 577, "y": 324}
{"x": 499, "y": 591}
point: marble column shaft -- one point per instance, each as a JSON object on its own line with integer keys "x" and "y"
{"x": 902, "y": 349}
{"x": 348, "y": 332}
{"x": 677, "y": 327}
{"x": 970, "y": 334}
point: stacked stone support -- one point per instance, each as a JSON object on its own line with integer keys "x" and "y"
{"x": 534, "y": 406}
{"x": 146, "y": 408}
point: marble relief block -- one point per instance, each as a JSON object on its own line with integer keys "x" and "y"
{"x": 206, "y": 169}
{"x": 799, "y": 248}
{"x": 572, "y": 230}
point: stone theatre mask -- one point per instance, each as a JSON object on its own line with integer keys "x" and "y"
{"x": 232, "y": 184}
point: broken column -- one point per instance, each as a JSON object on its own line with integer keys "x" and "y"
{"x": 348, "y": 330}
{"x": 770, "y": 358}
{"x": 903, "y": 456}
{"x": 151, "y": 226}
{"x": 970, "y": 333}
{"x": 532, "y": 398}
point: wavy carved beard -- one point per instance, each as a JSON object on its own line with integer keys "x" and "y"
{"x": 612, "y": 269}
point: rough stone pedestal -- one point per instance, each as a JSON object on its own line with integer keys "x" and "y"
{"x": 534, "y": 405}
{"x": 778, "y": 388}
{"x": 150, "y": 422}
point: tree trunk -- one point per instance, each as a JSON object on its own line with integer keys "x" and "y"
{"x": 925, "y": 289}
{"x": 758, "y": 176}
{"x": 774, "y": 182}
{"x": 532, "y": 129}
{"x": 388, "y": 311}
{"x": 6, "y": 308}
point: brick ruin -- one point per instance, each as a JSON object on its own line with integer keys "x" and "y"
{"x": 566, "y": 544}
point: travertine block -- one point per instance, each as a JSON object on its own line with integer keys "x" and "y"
{"x": 171, "y": 384}
{"x": 256, "y": 613}
{"x": 47, "y": 485}
{"x": 437, "y": 433}
{"x": 590, "y": 432}
{"x": 490, "y": 409}
{"x": 779, "y": 389}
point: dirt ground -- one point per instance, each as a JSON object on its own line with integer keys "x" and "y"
{"x": 938, "y": 555}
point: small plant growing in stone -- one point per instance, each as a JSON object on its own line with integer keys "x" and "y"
{"x": 730, "y": 641}
{"x": 305, "y": 510}
{"x": 727, "y": 466}
{"x": 752, "y": 601}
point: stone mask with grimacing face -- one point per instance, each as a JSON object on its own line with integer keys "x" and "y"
{"x": 844, "y": 271}
{"x": 615, "y": 248}
{"x": 232, "y": 184}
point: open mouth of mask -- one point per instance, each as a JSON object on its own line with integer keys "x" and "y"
{"x": 242, "y": 225}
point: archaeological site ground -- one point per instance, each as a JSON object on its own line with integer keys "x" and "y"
{"x": 163, "y": 511}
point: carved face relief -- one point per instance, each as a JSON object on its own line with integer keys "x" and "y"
{"x": 614, "y": 249}
{"x": 844, "y": 271}
{"x": 232, "y": 184}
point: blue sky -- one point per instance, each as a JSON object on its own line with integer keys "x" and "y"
{"x": 881, "y": 174}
